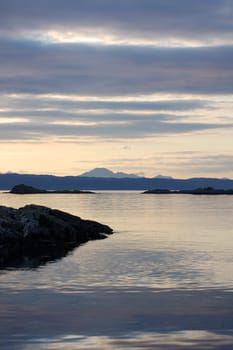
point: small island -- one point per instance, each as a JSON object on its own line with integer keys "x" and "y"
{"x": 25, "y": 189}
{"x": 197, "y": 191}
{"x": 38, "y": 232}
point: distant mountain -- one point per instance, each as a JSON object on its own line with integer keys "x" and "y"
{"x": 106, "y": 173}
{"x": 163, "y": 177}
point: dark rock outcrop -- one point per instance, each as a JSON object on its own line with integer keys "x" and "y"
{"x": 201, "y": 190}
{"x": 37, "y": 231}
{"x": 25, "y": 189}
{"x": 209, "y": 191}
{"x": 158, "y": 191}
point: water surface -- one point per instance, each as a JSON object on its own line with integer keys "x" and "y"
{"x": 162, "y": 281}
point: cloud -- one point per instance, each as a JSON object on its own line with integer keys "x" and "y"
{"x": 182, "y": 163}
{"x": 120, "y": 127}
{"x": 64, "y": 118}
{"x": 87, "y": 69}
{"x": 39, "y": 105}
{"x": 211, "y": 163}
{"x": 156, "y": 51}
{"x": 121, "y": 72}
{"x": 167, "y": 163}
{"x": 197, "y": 20}
{"x": 198, "y": 163}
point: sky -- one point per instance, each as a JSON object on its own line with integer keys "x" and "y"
{"x": 139, "y": 86}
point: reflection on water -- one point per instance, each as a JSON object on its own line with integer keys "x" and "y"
{"x": 174, "y": 340}
{"x": 116, "y": 318}
{"x": 39, "y": 258}
{"x": 189, "y": 340}
{"x": 163, "y": 281}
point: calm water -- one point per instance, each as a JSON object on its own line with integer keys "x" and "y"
{"x": 164, "y": 280}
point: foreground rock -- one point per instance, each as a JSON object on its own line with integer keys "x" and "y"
{"x": 25, "y": 189}
{"x": 37, "y": 231}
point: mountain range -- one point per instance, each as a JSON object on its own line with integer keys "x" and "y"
{"x": 106, "y": 173}
{"x": 114, "y": 181}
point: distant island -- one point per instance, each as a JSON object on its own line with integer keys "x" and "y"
{"x": 197, "y": 191}
{"x": 24, "y": 189}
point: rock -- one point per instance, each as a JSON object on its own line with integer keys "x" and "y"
{"x": 35, "y": 231}
{"x": 25, "y": 189}
{"x": 197, "y": 191}
{"x": 158, "y": 191}
{"x": 210, "y": 191}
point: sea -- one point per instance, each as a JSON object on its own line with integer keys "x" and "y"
{"x": 163, "y": 280}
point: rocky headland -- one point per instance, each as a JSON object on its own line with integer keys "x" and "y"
{"x": 25, "y": 189}
{"x": 38, "y": 232}
{"x": 197, "y": 191}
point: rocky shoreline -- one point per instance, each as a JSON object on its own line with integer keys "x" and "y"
{"x": 37, "y": 232}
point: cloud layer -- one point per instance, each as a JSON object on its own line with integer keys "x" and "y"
{"x": 29, "y": 67}
{"x": 180, "y": 19}
{"x": 126, "y": 70}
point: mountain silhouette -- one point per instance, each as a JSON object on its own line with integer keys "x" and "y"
{"x": 104, "y": 172}
{"x": 52, "y": 182}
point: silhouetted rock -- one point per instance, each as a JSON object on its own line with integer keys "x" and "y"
{"x": 202, "y": 190}
{"x": 35, "y": 231}
{"x": 158, "y": 191}
{"x": 210, "y": 190}
{"x": 25, "y": 189}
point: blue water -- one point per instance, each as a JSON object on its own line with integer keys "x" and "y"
{"x": 164, "y": 280}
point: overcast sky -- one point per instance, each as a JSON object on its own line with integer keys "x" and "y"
{"x": 140, "y": 86}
